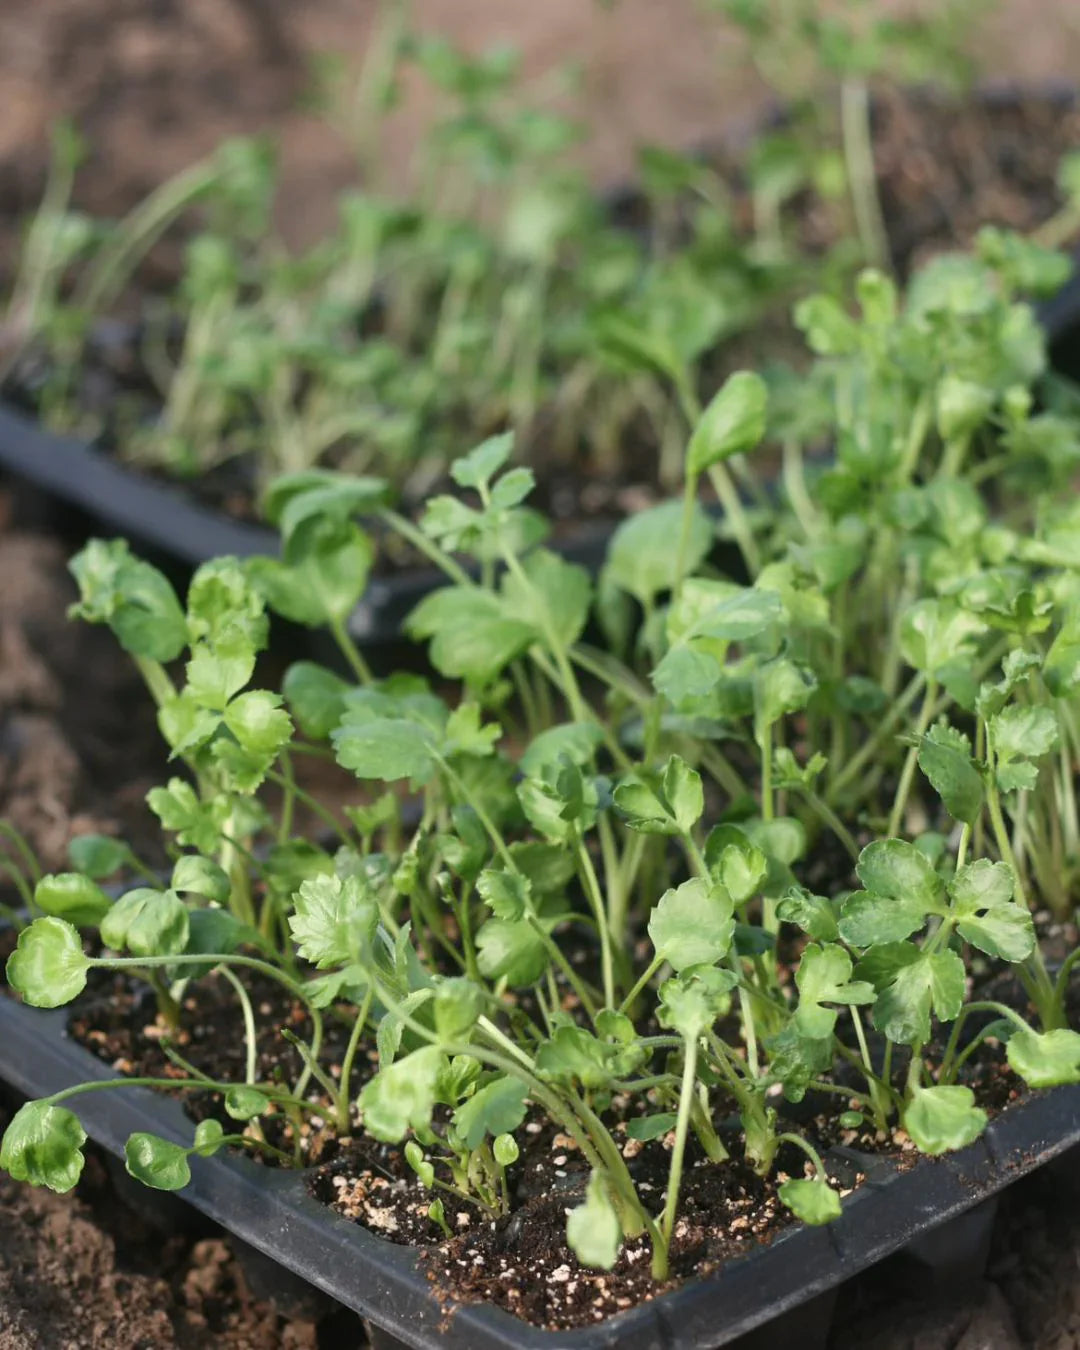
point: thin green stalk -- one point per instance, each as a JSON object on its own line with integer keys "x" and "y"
{"x": 862, "y": 174}
{"x": 230, "y": 958}
{"x": 947, "y": 1071}
{"x": 25, "y": 852}
{"x": 907, "y": 774}
{"x": 882, "y": 731}
{"x": 289, "y": 785}
{"x": 810, "y": 1151}
{"x": 834, "y": 823}
{"x": 138, "y": 231}
{"x": 350, "y": 650}
{"x": 686, "y": 521}
{"x": 682, "y": 1127}
{"x": 881, "y": 1115}
{"x": 344, "y": 1119}
{"x": 250, "y": 1040}
{"x": 592, "y": 890}
{"x": 644, "y": 978}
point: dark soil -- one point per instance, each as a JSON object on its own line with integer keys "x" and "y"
{"x": 82, "y": 1272}
{"x": 120, "y": 1025}
{"x": 946, "y": 168}
{"x": 79, "y": 745}
{"x": 521, "y": 1262}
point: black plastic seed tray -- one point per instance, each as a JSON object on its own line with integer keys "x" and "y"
{"x": 939, "y": 1211}
{"x": 167, "y": 522}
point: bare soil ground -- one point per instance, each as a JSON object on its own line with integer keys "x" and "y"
{"x": 153, "y": 86}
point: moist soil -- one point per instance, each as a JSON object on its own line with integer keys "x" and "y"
{"x": 83, "y": 1272}
{"x": 945, "y": 168}
{"x": 79, "y": 746}
{"x": 519, "y": 1261}
{"x": 121, "y": 1026}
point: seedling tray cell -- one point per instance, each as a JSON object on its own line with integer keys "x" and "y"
{"x": 938, "y": 1210}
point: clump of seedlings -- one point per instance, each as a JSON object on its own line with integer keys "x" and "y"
{"x": 500, "y": 294}
{"x": 481, "y": 301}
{"x": 776, "y": 805}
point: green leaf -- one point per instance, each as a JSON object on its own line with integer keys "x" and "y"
{"x": 683, "y": 793}
{"x": 245, "y": 1103}
{"x": 513, "y": 951}
{"x": 185, "y": 725}
{"x": 425, "y": 1171}
{"x": 258, "y": 722}
{"x": 466, "y": 734}
{"x": 646, "y": 1128}
{"x": 641, "y": 555}
{"x": 212, "y": 932}
{"x": 156, "y": 1162}
{"x": 401, "y": 1097}
{"x": 691, "y": 1003}
{"x": 869, "y": 920}
{"x": 334, "y": 921}
{"x": 222, "y": 605}
{"x": 829, "y": 330}
{"x": 898, "y": 870}
{"x": 324, "y": 584}
{"x": 386, "y": 749}
{"x": 824, "y": 976}
{"x": 316, "y": 698}
{"x": 133, "y": 598}
{"x": 780, "y": 687}
{"x": 72, "y": 896}
{"x": 458, "y": 1003}
{"x": 209, "y": 1137}
{"x": 902, "y": 888}
{"x": 195, "y": 875}
{"x": 1045, "y": 1059}
{"x": 736, "y": 862}
{"x": 692, "y": 924}
{"x": 936, "y": 632}
{"x": 1021, "y": 733}
{"x": 576, "y": 740}
{"x": 987, "y": 917}
{"x": 147, "y": 922}
{"x": 556, "y": 597}
{"x": 812, "y": 1200}
{"x": 480, "y": 465}
{"x": 215, "y": 674}
{"x": 473, "y": 633}
{"x": 48, "y": 966}
{"x": 97, "y": 855}
{"x": 796, "y": 1060}
{"x": 720, "y": 610}
{"x": 911, "y": 983}
{"x": 685, "y": 674}
{"x": 814, "y": 914}
{"x": 572, "y": 1054}
{"x": 43, "y": 1146}
{"x": 945, "y": 758}
{"x": 497, "y": 1108}
{"x": 940, "y": 1119}
{"x": 505, "y": 1150}
{"x": 732, "y": 424}
{"x": 673, "y": 808}
{"x": 962, "y": 406}
{"x": 593, "y": 1232}
{"x": 197, "y": 824}
{"x": 505, "y": 893}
